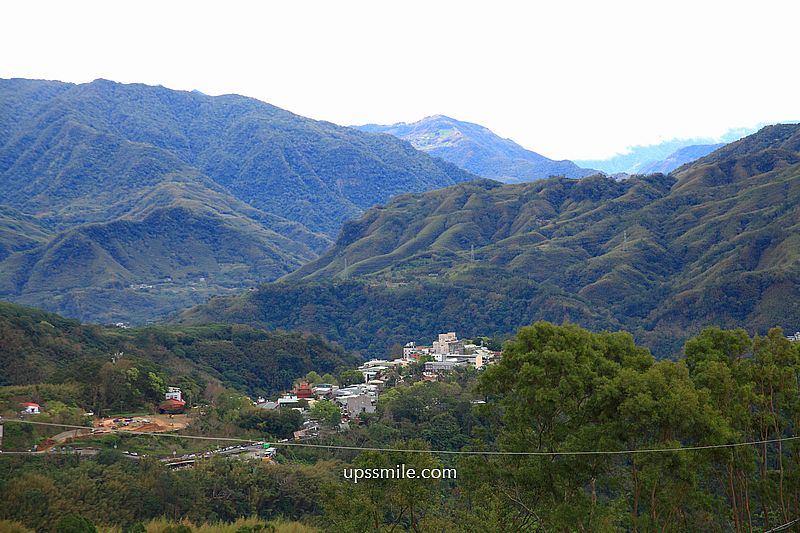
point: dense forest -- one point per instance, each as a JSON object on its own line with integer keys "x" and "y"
{"x": 110, "y": 368}
{"x": 556, "y": 390}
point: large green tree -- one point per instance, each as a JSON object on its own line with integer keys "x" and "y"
{"x": 564, "y": 389}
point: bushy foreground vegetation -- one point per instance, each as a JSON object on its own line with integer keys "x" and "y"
{"x": 78, "y": 524}
{"x": 557, "y": 389}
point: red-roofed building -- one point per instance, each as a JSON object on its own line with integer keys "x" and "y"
{"x": 171, "y": 406}
{"x": 304, "y": 391}
{"x": 30, "y": 408}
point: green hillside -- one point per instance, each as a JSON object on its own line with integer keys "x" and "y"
{"x": 19, "y": 232}
{"x": 715, "y": 242}
{"x": 177, "y": 245}
{"x": 37, "y": 347}
{"x": 125, "y": 136}
{"x": 129, "y": 202}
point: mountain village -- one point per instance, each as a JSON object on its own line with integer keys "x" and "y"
{"x": 445, "y": 354}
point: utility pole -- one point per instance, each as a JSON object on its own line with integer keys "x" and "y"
{"x": 624, "y": 241}
{"x": 472, "y": 252}
{"x": 345, "y": 267}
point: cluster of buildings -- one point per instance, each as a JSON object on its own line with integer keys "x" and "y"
{"x": 352, "y": 400}
{"x": 449, "y": 352}
{"x": 794, "y": 338}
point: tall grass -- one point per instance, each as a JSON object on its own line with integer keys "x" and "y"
{"x": 248, "y": 525}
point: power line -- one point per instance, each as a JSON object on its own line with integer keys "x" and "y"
{"x": 2, "y": 453}
{"x": 784, "y": 527}
{"x": 443, "y": 452}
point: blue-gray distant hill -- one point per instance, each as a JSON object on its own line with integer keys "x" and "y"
{"x": 679, "y": 158}
{"x": 665, "y": 156}
{"x": 477, "y": 149}
{"x": 126, "y": 202}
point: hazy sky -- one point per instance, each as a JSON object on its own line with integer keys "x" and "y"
{"x": 567, "y": 79}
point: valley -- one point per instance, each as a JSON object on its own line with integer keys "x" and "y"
{"x": 213, "y": 309}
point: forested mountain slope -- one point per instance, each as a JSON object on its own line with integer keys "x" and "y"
{"x": 130, "y": 202}
{"x": 713, "y": 243}
{"x": 37, "y": 347}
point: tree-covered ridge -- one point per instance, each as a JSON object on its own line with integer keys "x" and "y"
{"x": 312, "y": 172}
{"x": 37, "y": 347}
{"x": 715, "y": 242}
{"x": 479, "y": 150}
{"x": 19, "y": 232}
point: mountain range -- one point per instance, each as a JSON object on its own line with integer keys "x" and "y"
{"x": 714, "y": 242}
{"x": 130, "y": 202}
{"x": 478, "y": 150}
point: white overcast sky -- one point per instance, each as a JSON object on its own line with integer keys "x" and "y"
{"x": 567, "y": 79}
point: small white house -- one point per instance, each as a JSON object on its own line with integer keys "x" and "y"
{"x": 30, "y": 408}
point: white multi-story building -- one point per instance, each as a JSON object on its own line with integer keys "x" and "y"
{"x": 447, "y": 345}
{"x": 408, "y": 349}
{"x": 173, "y": 393}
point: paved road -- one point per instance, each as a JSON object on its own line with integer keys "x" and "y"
{"x": 64, "y": 436}
{"x": 252, "y": 450}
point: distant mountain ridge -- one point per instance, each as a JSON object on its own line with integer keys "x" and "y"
{"x": 665, "y": 156}
{"x": 128, "y": 202}
{"x": 662, "y": 256}
{"x": 477, "y": 149}
{"x": 679, "y": 158}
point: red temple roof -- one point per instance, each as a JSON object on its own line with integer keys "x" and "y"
{"x": 304, "y": 391}
{"x": 172, "y": 403}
